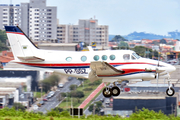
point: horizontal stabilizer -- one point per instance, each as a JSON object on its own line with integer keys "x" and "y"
{"x": 30, "y": 59}
{"x": 104, "y": 68}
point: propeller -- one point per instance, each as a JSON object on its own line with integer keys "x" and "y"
{"x": 157, "y": 73}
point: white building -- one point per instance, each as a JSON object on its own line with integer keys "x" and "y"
{"x": 36, "y": 19}
{"x": 87, "y": 31}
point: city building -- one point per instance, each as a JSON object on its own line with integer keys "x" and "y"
{"x": 36, "y": 19}
{"x": 87, "y": 31}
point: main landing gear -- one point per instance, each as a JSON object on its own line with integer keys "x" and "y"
{"x": 170, "y": 91}
{"x": 114, "y": 91}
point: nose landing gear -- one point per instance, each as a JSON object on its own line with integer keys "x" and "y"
{"x": 170, "y": 91}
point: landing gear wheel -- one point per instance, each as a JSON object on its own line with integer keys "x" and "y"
{"x": 107, "y": 92}
{"x": 115, "y": 91}
{"x": 170, "y": 92}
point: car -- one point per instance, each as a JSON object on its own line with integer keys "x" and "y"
{"x": 60, "y": 85}
{"x": 40, "y": 103}
{"x": 45, "y": 98}
{"x": 102, "y": 99}
{"x": 50, "y": 94}
{"x": 35, "y": 107}
{"x": 70, "y": 78}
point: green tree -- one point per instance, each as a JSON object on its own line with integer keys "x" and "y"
{"x": 3, "y": 38}
{"x": 49, "y": 82}
{"x": 97, "y": 107}
{"x": 3, "y": 46}
{"x": 77, "y": 94}
{"x": 123, "y": 45}
{"x": 155, "y": 43}
{"x": 73, "y": 87}
{"x": 19, "y": 106}
{"x": 140, "y": 50}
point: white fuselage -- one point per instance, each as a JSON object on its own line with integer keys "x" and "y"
{"x": 134, "y": 68}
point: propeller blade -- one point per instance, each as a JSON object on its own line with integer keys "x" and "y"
{"x": 157, "y": 77}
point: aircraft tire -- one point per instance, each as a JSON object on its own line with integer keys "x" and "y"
{"x": 170, "y": 92}
{"x": 107, "y": 94}
{"x": 115, "y": 91}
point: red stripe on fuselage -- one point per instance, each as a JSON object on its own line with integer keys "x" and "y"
{"x": 76, "y": 64}
{"x": 16, "y": 33}
{"x": 126, "y": 71}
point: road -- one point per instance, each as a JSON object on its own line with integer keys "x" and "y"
{"x": 53, "y": 102}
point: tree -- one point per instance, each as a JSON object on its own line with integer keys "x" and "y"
{"x": 3, "y": 36}
{"x": 49, "y": 82}
{"x": 77, "y": 94}
{"x": 123, "y": 45}
{"x": 140, "y": 50}
{"x": 19, "y": 106}
{"x": 97, "y": 107}
{"x": 3, "y": 46}
{"x": 3, "y": 39}
{"x": 155, "y": 43}
{"x": 72, "y": 87}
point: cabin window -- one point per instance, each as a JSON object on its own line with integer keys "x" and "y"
{"x": 83, "y": 58}
{"x": 68, "y": 59}
{"x": 112, "y": 57}
{"x": 126, "y": 56}
{"x": 104, "y": 57}
{"x": 96, "y": 57}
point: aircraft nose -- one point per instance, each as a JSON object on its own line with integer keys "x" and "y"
{"x": 172, "y": 68}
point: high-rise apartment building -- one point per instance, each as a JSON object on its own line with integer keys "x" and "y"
{"x": 87, "y": 31}
{"x": 36, "y": 19}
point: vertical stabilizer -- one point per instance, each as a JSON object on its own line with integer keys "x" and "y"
{"x": 20, "y": 44}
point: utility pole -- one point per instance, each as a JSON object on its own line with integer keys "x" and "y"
{"x": 171, "y": 108}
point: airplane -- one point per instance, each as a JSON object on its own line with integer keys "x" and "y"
{"x": 108, "y": 65}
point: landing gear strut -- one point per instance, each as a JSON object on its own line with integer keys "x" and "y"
{"x": 170, "y": 91}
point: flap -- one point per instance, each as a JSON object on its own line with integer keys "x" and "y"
{"x": 30, "y": 59}
{"x": 104, "y": 68}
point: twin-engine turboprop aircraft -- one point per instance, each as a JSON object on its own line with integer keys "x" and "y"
{"x": 109, "y": 65}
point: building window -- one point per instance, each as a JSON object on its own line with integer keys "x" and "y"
{"x": 112, "y": 57}
{"x": 49, "y": 10}
{"x": 83, "y": 58}
{"x": 96, "y": 57}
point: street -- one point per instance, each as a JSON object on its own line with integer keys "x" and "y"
{"x": 53, "y": 101}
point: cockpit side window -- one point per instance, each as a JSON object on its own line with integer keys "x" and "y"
{"x": 132, "y": 57}
{"x": 135, "y": 55}
{"x": 126, "y": 56}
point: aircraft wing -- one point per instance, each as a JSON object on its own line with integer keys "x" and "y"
{"x": 30, "y": 59}
{"x": 99, "y": 69}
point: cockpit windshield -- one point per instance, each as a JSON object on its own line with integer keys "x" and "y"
{"x": 135, "y": 55}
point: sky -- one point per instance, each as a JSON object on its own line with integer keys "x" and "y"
{"x": 122, "y": 16}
